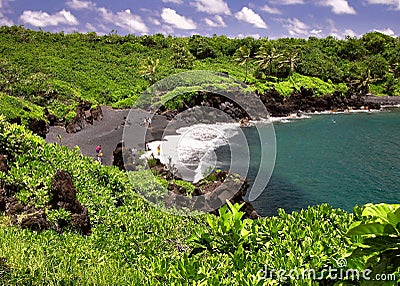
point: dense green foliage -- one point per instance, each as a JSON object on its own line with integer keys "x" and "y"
{"x": 56, "y": 70}
{"x": 12, "y": 107}
{"x": 380, "y": 248}
{"x": 132, "y": 242}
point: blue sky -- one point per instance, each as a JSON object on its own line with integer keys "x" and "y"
{"x": 257, "y": 18}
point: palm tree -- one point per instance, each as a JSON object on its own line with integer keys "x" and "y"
{"x": 290, "y": 58}
{"x": 362, "y": 84}
{"x": 242, "y": 56}
{"x": 149, "y": 69}
{"x": 181, "y": 57}
{"x": 266, "y": 56}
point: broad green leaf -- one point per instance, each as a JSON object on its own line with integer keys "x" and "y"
{"x": 379, "y": 211}
{"x": 370, "y": 228}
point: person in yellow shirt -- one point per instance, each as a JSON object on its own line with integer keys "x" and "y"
{"x": 99, "y": 157}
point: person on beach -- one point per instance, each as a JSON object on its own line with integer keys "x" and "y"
{"x": 133, "y": 152}
{"x": 147, "y": 148}
{"x": 149, "y": 122}
{"x": 159, "y": 149}
{"x": 98, "y": 149}
{"x": 99, "y": 157}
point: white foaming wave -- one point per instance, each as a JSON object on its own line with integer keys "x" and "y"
{"x": 193, "y": 148}
{"x": 287, "y": 119}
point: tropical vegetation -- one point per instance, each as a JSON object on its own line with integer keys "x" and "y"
{"x": 58, "y": 70}
{"x": 133, "y": 242}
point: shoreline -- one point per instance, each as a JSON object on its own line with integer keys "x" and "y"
{"x": 108, "y": 132}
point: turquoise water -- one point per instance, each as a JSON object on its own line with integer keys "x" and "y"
{"x": 341, "y": 159}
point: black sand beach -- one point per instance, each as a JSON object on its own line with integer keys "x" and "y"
{"x": 107, "y": 132}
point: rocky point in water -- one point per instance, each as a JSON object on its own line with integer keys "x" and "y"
{"x": 209, "y": 194}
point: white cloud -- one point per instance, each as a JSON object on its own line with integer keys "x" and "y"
{"x": 124, "y": 19}
{"x": 271, "y": 10}
{"x": 338, "y": 6}
{"x": 212, "y": 6}
{"x": 316, "y": 32}
{"x": 173, "y": 1}
{"x": 394, "y": 3}
{"x": 165, "y": 30}
{"x": 154, "y": 21}
{"x": 98, "y": 29}
{"x": 386, "y": 31}
{"x": 242, "y": 36}
{"x": 3, "y": 3}
{"x": 43, "y": 19}
{"x": 4, "y": 21}
{"x": 287, "y": 2}
{"x": 333, "y": 31}
{"x": 347, "y": 32}
{"x": 296, "y": 27}
{"x": 218, "y": 21}
{"x": 249, "y": 16}
{"x": 81, "y": 5}
{"x": 90, "y": 27}
{"x": 178, "y": 21}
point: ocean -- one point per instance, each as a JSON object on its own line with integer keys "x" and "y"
{"x": 340, "y": 159}
{"x": 343, "y": 159}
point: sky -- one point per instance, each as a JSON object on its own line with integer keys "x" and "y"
{"x": 236, "y": 19}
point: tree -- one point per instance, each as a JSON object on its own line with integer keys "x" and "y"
{"x": 376, "y": 42}
{"x": 352, "y": 49}
{"x": 266, "y": 57}
{"x": 362, "y": 85}
{"x": 242, "y": 56}
{"x": 202, "y": 47}
{"x": 289, "y": 58}
{"x": 314, "y": 62}
{"x": 377, "y": 65}
{"x": 393, "y": 57}
{"x": 149, "y": 69}
{"x": 181, "y": 57}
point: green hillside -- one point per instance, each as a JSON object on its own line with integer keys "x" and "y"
{"x": 57, "y": 70}
{"x": 132, "y": 242}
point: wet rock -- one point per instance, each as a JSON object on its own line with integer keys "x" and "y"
{"x": 81, "y": 222}
{"x": 12, "y": 206}
{"x": 78, "y": 122}
{"x": 35, "y": 221}
{"x": 121, "y": 155}
{"x": 64, "y": 196}
{"x": 304, "y": 100}
{"x": 16, "y": 120}
{"x": 3, "y": 200}
{"x": 85, "y": 105}
{"x": 97, "y": 113}
{"x": 64, "y": 193}
{"x": 208, "y": 196}
{"x": 84, "y": 115}
{"x": 52, "y": 119}
{"x": 3, "y": 164}
{"x": 38, "y": 126}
